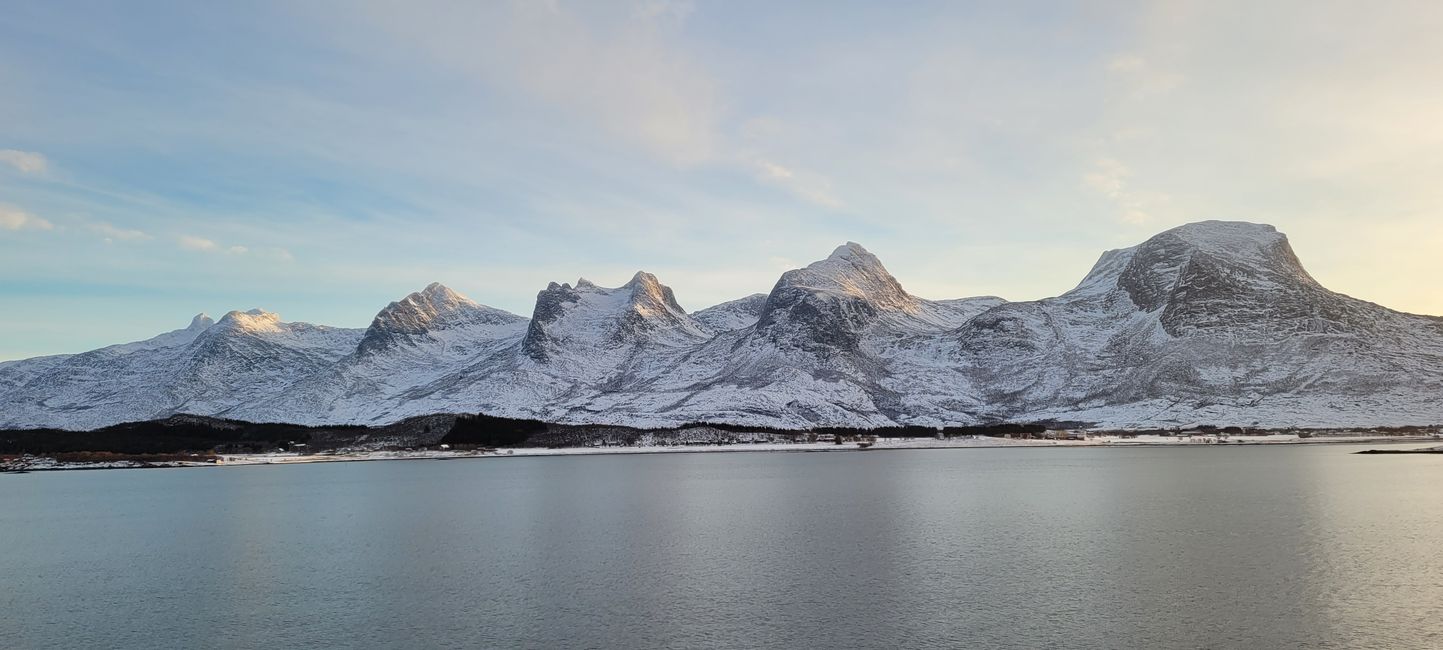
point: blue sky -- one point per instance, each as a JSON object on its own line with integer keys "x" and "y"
{"x": 320, "y": 159}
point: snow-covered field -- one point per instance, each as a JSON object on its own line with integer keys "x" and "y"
{"x": 41, "y": 463}
{"x": 45, "y": 463}
{"x": 971, "y": 442}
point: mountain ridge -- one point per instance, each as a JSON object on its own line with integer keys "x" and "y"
{"x": 1208, "y": 322}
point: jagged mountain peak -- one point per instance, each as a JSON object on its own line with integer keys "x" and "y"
{"x": 438, "y": 291}
{"x": 436, "y": 298}
{"x": 851, "y": 250}
{"x": 850, "y": 272}
{"x": 421, "y": 313}
{"x": 827, "y": 304}
{"x": 642, "y": 278}
{"x": 626, "y": 313}
{"x": 200, "y": 322}
{"x": 649, "y": 296}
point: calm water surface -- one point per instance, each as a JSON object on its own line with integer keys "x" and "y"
{"x": 1032, "y": 548}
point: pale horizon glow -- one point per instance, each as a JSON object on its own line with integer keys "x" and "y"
{"x": 321, "y": 159}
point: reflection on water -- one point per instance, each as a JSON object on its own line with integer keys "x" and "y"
{"x": 1277, "y": 547}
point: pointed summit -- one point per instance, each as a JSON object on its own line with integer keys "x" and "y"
{"x": 851, "y": 271}
{"x": 649, "y": 297}
{"x": 827, "y": 304}
{"x": 851, "y": 250}
{"x": 642, "y": 277}
{"x": 422, "y": 313}
{"x": 200, "y": 322}
{"x": 440, "y": 292}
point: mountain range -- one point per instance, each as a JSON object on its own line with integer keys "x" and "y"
{"x": 1208, "y": 323}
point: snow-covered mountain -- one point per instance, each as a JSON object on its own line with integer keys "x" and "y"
{"x": 210, "y": 367}
{"x": 1212, "y": 322}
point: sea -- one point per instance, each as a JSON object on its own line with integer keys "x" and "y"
{"x": 1288, "y": 546}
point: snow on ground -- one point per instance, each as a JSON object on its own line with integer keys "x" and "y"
{"x": 882, "y": 444}
{"x": 36, "y": 463}
{"x": 45, "y": 463}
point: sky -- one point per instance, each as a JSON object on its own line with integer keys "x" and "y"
{"x": 320, "y": 159}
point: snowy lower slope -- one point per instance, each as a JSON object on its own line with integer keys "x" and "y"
{"x": 1213, "y": 322}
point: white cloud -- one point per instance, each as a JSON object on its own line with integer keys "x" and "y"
{"x": 1109, "y": 178}
{"x": 13, "y": 218}
{"x": 1126, "y": 63}
{"x": 201, "y": 244}
{"x": 112, "y": 233}
{"x": 27, "y": 162}
{"x": 807, "y": 186}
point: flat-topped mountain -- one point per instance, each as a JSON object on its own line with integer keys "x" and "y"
{"x": 1211, "y": 322}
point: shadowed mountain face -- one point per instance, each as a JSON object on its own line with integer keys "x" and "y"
{"x": 1226, "y": 276}
{"x": 1212, "y": 322}
{"x": 826, "y": 306}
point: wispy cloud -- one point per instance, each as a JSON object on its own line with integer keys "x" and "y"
{"x": 14, "y": 218}
{"x": 1110, "y": 178}
{"x": 613, "y": 134}
{"x": 26, "y": 162}
{"x": 113, "y": 234}
{"x": 205, "y": 245}
{"x": 200, "y": 244}
{"x": 810, "y": 187}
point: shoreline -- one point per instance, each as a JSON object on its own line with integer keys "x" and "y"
{"x": 27, "y": 464}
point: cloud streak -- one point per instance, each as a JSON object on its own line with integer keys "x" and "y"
{"x": 26, "y": 162}
{"x": 111, "y": 233}
{"x": 198, "y": 244}
{"x": 1110, "y": 178}
{"x": 14, "y": 219}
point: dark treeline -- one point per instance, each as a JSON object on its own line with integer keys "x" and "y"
{"x": 171, "y": 435}
{"x": 186, "y": 433}
{"x": 488, "y": 431}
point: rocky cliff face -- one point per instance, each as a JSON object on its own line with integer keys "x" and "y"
{"x": 1213, "y": 322}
